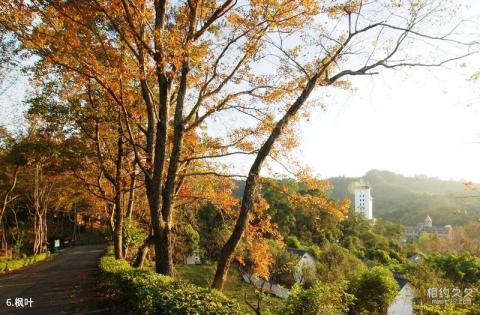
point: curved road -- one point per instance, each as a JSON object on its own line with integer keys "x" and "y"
{"x": 63, "y": 284}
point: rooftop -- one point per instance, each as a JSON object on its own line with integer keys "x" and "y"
{"x": 297, "y": 251}
{"x": 362, "y": 187}
{"x": 400, "y": 280}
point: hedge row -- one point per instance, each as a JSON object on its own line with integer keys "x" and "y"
{"x": 146, "y": 292}
{"x": 9, "y": 265}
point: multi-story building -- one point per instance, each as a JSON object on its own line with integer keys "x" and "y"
{"x": 363, "y": 201}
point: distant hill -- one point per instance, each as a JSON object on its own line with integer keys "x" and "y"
{"x": 409, "y": 200}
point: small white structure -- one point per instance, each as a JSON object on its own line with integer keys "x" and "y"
{"x": 403, "y": 302}
{"x": 415, "y": 258}
{"x": 193, "y": 259}
{"x": 262, "y": 284}
{"x": 363, "y": 201}
{"x": 427, "y": 222}
{"x": 306, "y": 261}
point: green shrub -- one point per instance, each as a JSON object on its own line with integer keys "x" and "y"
{"x": 462, "y": 269}
{"x": 337, "y": 263}
{"x": 16, "y": 264}
{"x": 321, "y": 298}
{"x": 9, "y": 265}
{"x": 40, "y": 257}
{"x": 133, "y": 235}
{"x": 375, "y": 290}
{"x": 293, "y": 241}
{"x": 379, "y": 255}
{"x": 147, "y": 292}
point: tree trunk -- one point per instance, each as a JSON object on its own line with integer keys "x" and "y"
{"x": 45, "y": 232}
{"x": 4, "y": 241}
{"x": 38, "y": 205}
{"x": 131, "y": 196}
{"x": 34, "y": 248}
{"x": 143, "y": 251}
{"x": 164, "y": 239}
{"x": 164, "y": 251}
{"x": 153, "y": 196}
{"x": 118, "y": 229}
{"x": 111, "y": 215}
{"x": 74, "y": 232}
{"x": 226, "y": 254}
{"x": 39, "y": 233}
{"x": 118, "y": 185}
{"x": 6, "y": 196}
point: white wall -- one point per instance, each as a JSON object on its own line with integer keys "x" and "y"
{"x": 259, "y": 283}
{"x": 363, "y": 202}
{"x": 307, "y": 261}
{"x": 193, "y": 259}
{"x": 403, "y": 303}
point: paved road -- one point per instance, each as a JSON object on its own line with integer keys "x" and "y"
{"x": 64, "y": 284}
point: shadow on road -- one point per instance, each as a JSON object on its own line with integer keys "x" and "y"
{"x": 64, "y": 284}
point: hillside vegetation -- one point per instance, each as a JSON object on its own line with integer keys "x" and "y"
{"x": 408, "y": 200}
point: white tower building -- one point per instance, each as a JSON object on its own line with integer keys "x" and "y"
{"x": 363, "y": 201}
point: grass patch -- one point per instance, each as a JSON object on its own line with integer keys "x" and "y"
{"x": 235, "y": 288}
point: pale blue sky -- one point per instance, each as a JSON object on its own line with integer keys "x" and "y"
{"x": 414, "y": 121}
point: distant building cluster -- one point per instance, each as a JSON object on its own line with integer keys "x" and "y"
{"x": 364, "y": 206}
{"x": 364, "y": 201}
{"x": 427, "y": 228}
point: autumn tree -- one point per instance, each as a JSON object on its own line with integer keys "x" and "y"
{"x": 172, "y": 58}
{"x": 97, "y": 147}
{"x": 175, "y": 71}
{"x": 39, "y": 188}
{"x": 304, "y": 209}
{"x": 17, "y": 152}
{"x": 9, "y": 58}
{"x": 10, "y": 170}
{"x": 351, "y": 38}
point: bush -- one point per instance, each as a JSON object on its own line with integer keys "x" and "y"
{"x": 337, "y": 263}
{"x": 283, "y": 267}
{"x": 321, "y": 298}
{"x": 133, "y": 235}
{"x": 380, "y": 256}
{"x": 375, "y": 290}
{"x": 293, "y": 242}
{"x": 462, "y": 269}
{"x": 147, "y": 292}
{"x": 9, "y": 265}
